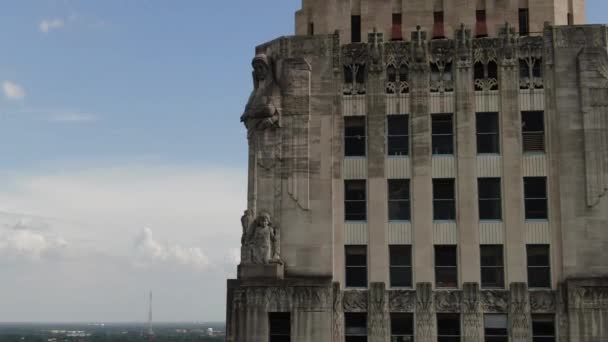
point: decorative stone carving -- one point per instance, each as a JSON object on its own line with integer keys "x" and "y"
{"x": 419, "y": 48}
{"x": 397, "y": 67}
{"x": 463, "y": 49}
{"x": 542, "y": 301}
{"x": 442, "y": 74}
{"x": 377, "y": 315}
{"x": 261, "y": 241}
{"x": 447, "y": 301}
{"x": 402, "y": 301}
{"x": 338, "y": 313}
{"x": 495, "y": 301}
{"x": 485, "y": 57}
{"x": 472, "y": 318}
{"x": 588, "y": 297}
{"x": 264, "y": 106}
{"x": 531, "y": 62}
{"x": 355, "y": 301}
{"x": 508, "y": 35}
{"x": 425, "y": 315}
{"x": 376, "y": 47}
{"x": 354, "y": 59}
{"x": 519, "y": 314}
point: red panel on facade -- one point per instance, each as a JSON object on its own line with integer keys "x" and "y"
{"x": 438, "y": 29}
{"x": 481, "y": 28}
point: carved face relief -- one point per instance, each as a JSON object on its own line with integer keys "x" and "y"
{"x": 260, "y": 69}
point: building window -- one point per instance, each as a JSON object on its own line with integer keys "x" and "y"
{"x": 524, "y": 22}
{"x": 355, "y": 198}
{"x": 398, "y": 139}
{"x": 396, "y": 29}
{"x": 444, "y": 200}
{"x": 488, "y": 139}
{"x": 539, "y": 269}
{"x": 446, "y": 266}
{"x": 495, "y": 328}
{"x": 492, "y": 267}
{"x": 280, "y": 326}
{"x": 490, "y": 204}
{"x": 402, "y": 327}
{"x": 442, "y": 134}
{"x": 399, "y": 199}
{"x": 311, "y": 29}
{"x": 355, "y": 27}
{"x": 448, "y": 328}
{"x": 356, "y": 265}
{"x": 355, "y": 327}
{"x": 401, "y": 265}
{"x": 533, "y": 131}
{"x": 481, "y": 27}
{"x": 535, "y": 198}
{"x": 438, "y": 27}
{"x": 354, "y": 136}
{"x": 543, "y": 328}
{"x": 570, "y": 19}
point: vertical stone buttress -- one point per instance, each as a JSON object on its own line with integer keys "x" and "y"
{"x": 378, "y": 315}
{"x": 510, "y": 121}
{"x": 472, "y": 317}
{"x": 338, "y": 314}
{"x": 466, "y": 161}
{"x": 421, "y": 180}
{"x": 377, "y": 187}
{"x": 520, "y": 327}
{"x": 425, "y": 313}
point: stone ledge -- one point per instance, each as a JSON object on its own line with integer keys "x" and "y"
{"x": 261, "y": 271}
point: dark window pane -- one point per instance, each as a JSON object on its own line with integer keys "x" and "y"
{"x": 445, "y": 256}
{"x": 448, "y": 324}
{"x": 524, "y": 22}
{"x": 488, "y": 143}
{"x": 543, "y": 326}
{"x": 539, "y": 270}
{"x": 487, "y": 122}
{"x": 355, "y": 22}
{"x": 355, "y": 339}
{"x": 489, "y": 188}
{"x": 443, "y": 188}
{"x": 491, "y": 255}
{"x": 446, "y": 277}
{"x": 354, "y": 146}
{"x": 355, "y": 323}
{"x": 490, "y": 209}
{"x": 356, "y": 276}
{"x": 280, "y": 326}
{"x": 442, "y": 124}
{"x": 402, "y": 324}
{"x": 355, "y": 198}
{"x": 360, "y": 77}
{"x": 398, "y": 125}
{"x": 391, "y": 73}
{"x": 400, "y": 255}
{"x": 399, "y": 210}
{"x": 355, "y": 211}
{"x": 536, "y": 209}
{"x": 539, "y": 277}
{"x": 535, "y": 187}
{"x": 487, "y": 133}
{"x": 443, "y": 144}
{"x": 444, "y": 210}
{"x": 356, "y": 255}
{"x": 443, "y": 134}
{"x": 493, "y": 71}
{"x": 492, "y": 277}
{"x": 537, "y": 69}
{"x": 401, "y": 276}
{"x": 398, "y": 189}
{"x": 479, "y": 71}
{"x": 348, "y": 75}
{"x": 398, "y": 146}
{"x": 533, "y": 121}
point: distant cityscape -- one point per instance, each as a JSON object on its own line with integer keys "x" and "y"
{"x": 111, "y": 332}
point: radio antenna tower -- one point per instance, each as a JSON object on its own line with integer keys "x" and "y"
{"x": 150, "y": 332}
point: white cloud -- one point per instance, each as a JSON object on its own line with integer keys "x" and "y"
{"x": 48, "y": 25}
{"x": 30, "y": 245}
{"x": 12, "y": 91}
{"x": 149, "y": 252}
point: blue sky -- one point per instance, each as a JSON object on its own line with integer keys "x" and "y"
{"x": 122, "y": 159}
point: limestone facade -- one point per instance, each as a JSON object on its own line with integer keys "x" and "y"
{"x": 308, "y": 86}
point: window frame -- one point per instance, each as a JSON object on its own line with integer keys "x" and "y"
{"x": 347, "y": 201}
{"x": 404, "y": 266}
{"x": 494, "y": 135}
{"x": 493, "y": 337}
{"x": 437, "y": 201}
{"x": 406, "y": 200}
{"x": 435, "y": 137}
{"x": 544, "y": 338}
{"x": 530, "y": 268}
{"x": 394, "y": 318}
{"x": 348, "y": 267}
{"x": 397, "y": 117}
{"x": 442, "y": 336}
{"x": 527, "y": 135}
{"x": 357, "y": 336}
{"x": 438, "y": 267}
{"x": 527, "y": 207}
{"x": 501, "y": 267}
{"x": 348, "y": 137}
{"x": 524, "y": 21}
{"x": 496, "y": 201}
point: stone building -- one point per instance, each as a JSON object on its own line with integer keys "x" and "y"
{"x": 427, "y": 171}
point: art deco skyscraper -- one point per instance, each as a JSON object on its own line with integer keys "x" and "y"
{"x": 427, "y": 170}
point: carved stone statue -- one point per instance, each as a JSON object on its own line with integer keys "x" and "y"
{"x": 260, "y": 242}
{"x": 264, "y": 105}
